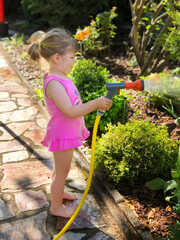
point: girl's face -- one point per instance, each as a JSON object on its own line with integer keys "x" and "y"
{"x": 67, "y": 62}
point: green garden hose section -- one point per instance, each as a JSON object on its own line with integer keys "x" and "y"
{"x": 88, "y": 181}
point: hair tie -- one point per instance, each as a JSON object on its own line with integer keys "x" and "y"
{"x": 39, "y": 43}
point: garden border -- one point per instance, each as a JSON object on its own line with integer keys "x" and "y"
{"x": 113, "y": 200}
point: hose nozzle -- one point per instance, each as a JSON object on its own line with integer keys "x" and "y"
{"x": 113, "y": 89}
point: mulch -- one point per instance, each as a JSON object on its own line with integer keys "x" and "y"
{"x": 155, "y": 214}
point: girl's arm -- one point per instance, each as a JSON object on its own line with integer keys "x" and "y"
{"x": 57, "y": 93}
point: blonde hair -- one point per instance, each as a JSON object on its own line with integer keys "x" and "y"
{"x": 55, "y": 41}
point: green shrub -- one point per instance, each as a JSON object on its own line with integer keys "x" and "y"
{"x": 69, "y": 13}
{"x": 136, "y": 152}
{"x": 90, "y": 79}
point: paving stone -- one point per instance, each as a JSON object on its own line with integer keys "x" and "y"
{"x": 19, "y": 115}
{"x": 36, "y": 136}
{"x": 83, "y": 220}
{"x": 7, "y": 106}
{"x": 24, "y": 102}
{"x": 33, "y": 228}
{"x": 75, "y": 173}
{"x": 72, "y": 236}
{"x": 15, "y": 156}
{"x": 100, "y": 236}
{"x": 20, "y": 95}
{"x": 10, "y": 146}
{"x": 16, "y": 129}
{"x": 24, "y": 175}
{"x": 44, "y": 153}
{"x": 6, "y": 210}
{"x": 3, "y": 63}
{"x": 4, "y": 96}
{"x": 5, "y": 70}
{"x": 42, "y": 122}
{"x": 79, "y": 184}
{"x": 30, "y": 200}
{"x": 12, "y": 78}
{"x": 13, "y": 87}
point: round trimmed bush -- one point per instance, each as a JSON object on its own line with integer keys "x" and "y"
{"x": 90, "y": 79}
{"x": 136, "y": 152}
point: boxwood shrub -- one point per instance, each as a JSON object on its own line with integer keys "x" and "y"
{"x": 136, "y": 152}
{"x": 90, "y": 79}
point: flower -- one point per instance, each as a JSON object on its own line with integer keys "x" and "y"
{"x": 87, "y": 31}
{"x": 80, "y": 35}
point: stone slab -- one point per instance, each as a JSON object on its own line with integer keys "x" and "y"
{"x": 6, "y": 210}
{"x": 36, "y": 136}
{"x": 10, "y": 146}
{"x": 7, "y": 106}
{"x": 15, "y": 156}
{"x": 30, "y": 200}
{"x": 33, "y": 228}
{"x": 24, "y": 175}
{"x": 100, "y": 236}
{"x": 16, "y": 129}
{"x": 19, "y": 115}
{"x": 5, "y": 70}
{"x": 83, "y": 220}
{"x": 4, "y": 96}
{"x": 72, "y": 236}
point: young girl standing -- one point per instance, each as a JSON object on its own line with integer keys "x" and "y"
{"x": 66, "y": 128}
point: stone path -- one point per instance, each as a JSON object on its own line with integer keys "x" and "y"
{"x": 25, "y": 174}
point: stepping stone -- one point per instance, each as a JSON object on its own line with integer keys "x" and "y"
{"x": 15, "y": 156}
{"x": 16, "y": 129}
{"x": 36, "y": 136}
{"x": 72, "y": 236}
{"x": 10, "y": 146}
{"x": 7, "y": 106}
{"x": 100, "y": 236}
{"x": 24, "y": 175}
{"x": 33, "y": 228}
{"x": 6, "y": 210}
{"x": 4, "y": 96}
{"x": 19, "y": 115}
{"x": 81, "y": 221}
{"x": 30, "y": 200}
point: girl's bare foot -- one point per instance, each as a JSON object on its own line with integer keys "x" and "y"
{"x": 63, "y": 211}
{"x": 69, "y": 196}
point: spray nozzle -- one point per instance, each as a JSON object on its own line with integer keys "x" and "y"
{"x": 113, "y": 89}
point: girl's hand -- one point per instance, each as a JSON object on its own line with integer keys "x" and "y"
{"x": 104, "y": 103}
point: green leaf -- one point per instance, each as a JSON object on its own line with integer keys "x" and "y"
{"x": 155, "y": 184}
{"x": 175, "y": 173}
{"x": 171, "y": 184}
{"x": 148, "y": 26}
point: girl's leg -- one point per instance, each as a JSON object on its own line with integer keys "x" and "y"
{"x": 66, "y": 195}
{"x": 62, "y": 164}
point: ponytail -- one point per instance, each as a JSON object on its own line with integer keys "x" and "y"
{"x": 35, "y": 51}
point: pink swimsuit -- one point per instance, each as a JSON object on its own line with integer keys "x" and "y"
{"x": 62, "y": 132}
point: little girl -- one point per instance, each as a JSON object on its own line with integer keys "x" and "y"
{"x": 66, "y": 128}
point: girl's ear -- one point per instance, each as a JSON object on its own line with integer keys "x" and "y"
{"x": 56, "y": 58}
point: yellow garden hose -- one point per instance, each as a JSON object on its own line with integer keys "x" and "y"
{"x": 88, "y": 181}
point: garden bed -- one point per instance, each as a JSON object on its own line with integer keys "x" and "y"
{"x": 150, "y": 207}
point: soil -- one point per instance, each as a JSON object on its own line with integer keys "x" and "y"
{"x": 155, "y": 214}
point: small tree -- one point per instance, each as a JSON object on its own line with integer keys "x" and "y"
{"x": 150, "y": 21}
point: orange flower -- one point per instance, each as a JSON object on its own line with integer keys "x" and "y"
{"x": 80, "y": 35}
{"x": 87, "y": 31}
